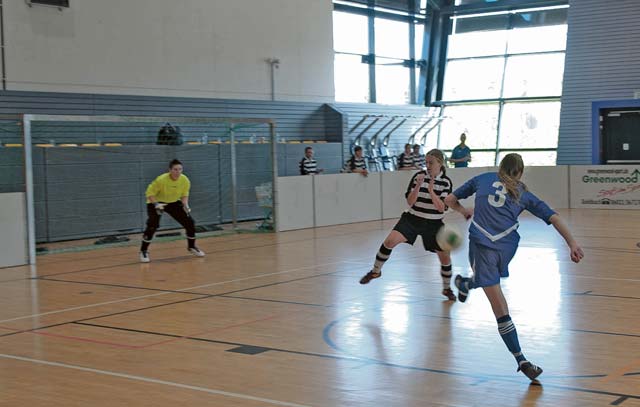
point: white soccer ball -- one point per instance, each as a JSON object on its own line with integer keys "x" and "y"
{"x": 449, "y": 238}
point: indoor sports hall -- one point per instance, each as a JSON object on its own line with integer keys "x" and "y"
{"x": 320, "y": 203}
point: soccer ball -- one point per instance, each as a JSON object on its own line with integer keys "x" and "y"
{"x": 449, "y": 238}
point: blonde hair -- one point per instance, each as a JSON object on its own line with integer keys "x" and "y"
{"x": 439, "y": 156}
{"x": 511, "y": 169}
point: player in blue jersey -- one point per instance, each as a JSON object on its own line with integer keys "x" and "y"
{"x": 493, "y": 240}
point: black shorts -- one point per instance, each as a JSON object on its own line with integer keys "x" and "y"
{"x": 411, "y": 226}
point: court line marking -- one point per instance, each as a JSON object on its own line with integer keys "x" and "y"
{"x": 359, "y": 359}
{"x": 165, "y": 293}
{"x": 620, "y": 371}
{"x": 128, "y": 346}
{"x": 169, "y": 259}
{"x": 133, "y": 287}
{"x": 152, "y": 380}
{"x": 602, "y": 278}
{"x": 326, "y": 335}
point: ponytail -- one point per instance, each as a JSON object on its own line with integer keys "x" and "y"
{"x": 511, "y": 169}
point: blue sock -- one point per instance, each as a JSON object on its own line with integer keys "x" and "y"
{"x": 510, "y": 337}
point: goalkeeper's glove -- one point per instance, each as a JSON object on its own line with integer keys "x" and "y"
{"x": 159, "y": 207}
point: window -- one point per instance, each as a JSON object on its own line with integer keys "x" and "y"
{"x": 537, "y": 39}
{"x": 511, "y": 64}
{"x": 478, "y": 122}
{"x": 473, "y": 79}
{"x": 534, "y": 75}
{"x": 477, "y": 44}
{"x": 392, "y": 38}
{"x": 351, "y": 79}
{"x": 350, "y": 33}
{"x": 396, "y": 77}
{"x": 530, "y": 125}
{"x": 392, "y": 82}
{"x": 482, "y": 159}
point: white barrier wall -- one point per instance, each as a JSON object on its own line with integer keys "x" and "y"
{"x": 459, "y": 176}
{"x": 551, "y": 184}
{"x": 13, "y": 230}
{"x": 296, "y": 204}
{"x": 347, "y": 198}
{"x": 191, "y": 48}
{"x": 394, "y": 186}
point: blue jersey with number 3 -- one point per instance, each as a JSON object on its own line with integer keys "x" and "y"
{"x": 495, "y": 218}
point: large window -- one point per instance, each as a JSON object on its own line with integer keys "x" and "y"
{"x": 380, "y": 68}
{"x": 351, "y": 78}
{"x": 503, "y": 82}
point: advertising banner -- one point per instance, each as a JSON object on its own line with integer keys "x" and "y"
{"x": 605, "y": 186}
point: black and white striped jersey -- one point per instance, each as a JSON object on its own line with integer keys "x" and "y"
{"x": 424, "y": 207}
{"x": 354, "y": 163}
{"x": 405, "y": 160}
{"x": 419, "y": 161}
{"x": 308, "y": 166}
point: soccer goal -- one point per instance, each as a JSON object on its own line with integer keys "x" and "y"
{"x": 85, "y": 177}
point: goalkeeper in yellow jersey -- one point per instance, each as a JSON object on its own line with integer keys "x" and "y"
{"x": 169, "y": 193}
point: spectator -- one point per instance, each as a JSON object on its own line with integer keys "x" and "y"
{"x": 461, "y": 155}
{"x": 356, "y": 163}
{"x": 308, "y": 165}
{"x": 418, "y": 159}
{"x": 405, "y": 160}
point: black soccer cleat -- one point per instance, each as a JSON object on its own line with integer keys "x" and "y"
{"x": 370, "y": 276}
{"x": 530, "y": 370}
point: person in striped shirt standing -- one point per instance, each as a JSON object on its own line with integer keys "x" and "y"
{"x": 169, "y": 193}
{"x": 356, "y": 163}
{"x": 308, "y": 165}
{"x": 425, "y": 195}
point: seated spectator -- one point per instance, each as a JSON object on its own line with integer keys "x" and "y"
{"x": 356, "y": 163}
{"x": 405, "y": 160}
{"x": 418, "y": 159}
{"x": 308, "y": 165}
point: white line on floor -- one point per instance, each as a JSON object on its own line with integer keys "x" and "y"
{"x": 155, "y": 381}
{"x": 165, "y": 293}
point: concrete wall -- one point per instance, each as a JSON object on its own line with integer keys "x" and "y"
{"x": 349, "y": 198}
{"x": 194, "y": 48}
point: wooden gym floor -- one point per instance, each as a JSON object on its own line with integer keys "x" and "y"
{"x": 280, "y": 320}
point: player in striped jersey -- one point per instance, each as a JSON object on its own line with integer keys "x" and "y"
{"x": 493, "y": 240}
{"x": 356, "y": 163}
{"x": 425, "y": 195}
{"x": 405, "y": 160}
{"x": 308, "y": 165}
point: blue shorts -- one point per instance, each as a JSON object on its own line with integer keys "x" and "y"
{"x": 489, "y": 265}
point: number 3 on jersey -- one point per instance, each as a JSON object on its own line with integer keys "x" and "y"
{"x": 498, "y": 199}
